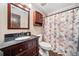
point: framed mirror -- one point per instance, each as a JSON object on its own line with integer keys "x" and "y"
{"x": 18, "y": 16}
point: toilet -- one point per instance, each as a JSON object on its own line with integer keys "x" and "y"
{"x": 44, "y": 47}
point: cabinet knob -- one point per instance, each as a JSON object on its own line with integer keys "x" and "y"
{"x": 33, "y": 52}
{"x": 20, "y": 49}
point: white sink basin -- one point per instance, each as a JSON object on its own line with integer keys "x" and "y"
{"x": 22, "y": 38}
{"x": 45, "y": 45}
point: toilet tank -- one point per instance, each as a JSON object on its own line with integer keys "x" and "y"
{"x": 40, "y": 37}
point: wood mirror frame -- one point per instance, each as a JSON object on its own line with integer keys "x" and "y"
{"x": 9, "y": 16}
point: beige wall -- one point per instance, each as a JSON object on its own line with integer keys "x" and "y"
{"x": 3, "y": 24}
{"x": 35, "y": 29}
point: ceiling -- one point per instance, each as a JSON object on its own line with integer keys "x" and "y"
{"x": 47, "y": 8}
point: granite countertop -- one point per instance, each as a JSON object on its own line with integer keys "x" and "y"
{"x": 9, "y": 43}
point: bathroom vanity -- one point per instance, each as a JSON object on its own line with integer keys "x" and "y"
{"x": 25, "y": 47}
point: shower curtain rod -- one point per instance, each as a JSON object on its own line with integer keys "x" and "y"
{"x": 61, "y": 11}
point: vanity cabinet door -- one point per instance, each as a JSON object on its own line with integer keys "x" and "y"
{"x": 33, "y": 47}
{"x": 32, "y": 44}
{"x": 19, "y": 48}
{"x": 7, "y": 51}
{"x": 37, "y": 18}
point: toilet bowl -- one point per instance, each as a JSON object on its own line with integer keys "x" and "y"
{"x": 44, "y": 47}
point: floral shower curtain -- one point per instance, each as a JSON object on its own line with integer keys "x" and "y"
{"x": 61, "y": 31}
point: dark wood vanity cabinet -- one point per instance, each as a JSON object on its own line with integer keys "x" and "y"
{"x": 26, "y": 48}
{"x": 37, "y": 18}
